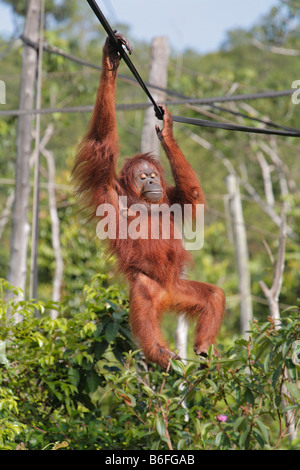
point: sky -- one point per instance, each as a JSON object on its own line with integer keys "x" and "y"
{"x": 196, "y": 24}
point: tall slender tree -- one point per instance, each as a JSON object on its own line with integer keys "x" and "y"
{"x": 20, "y": 226}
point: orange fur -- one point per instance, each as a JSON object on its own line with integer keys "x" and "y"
{"x": 153, "y": 267}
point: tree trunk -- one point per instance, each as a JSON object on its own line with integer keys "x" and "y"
{"x": 20, "y": 226}
{"x": 241, "y": 249}
{"x": 158, "y": 76}
{"x": 55, "y": 224}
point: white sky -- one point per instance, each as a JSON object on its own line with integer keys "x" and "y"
{"x": 197, "y": 24}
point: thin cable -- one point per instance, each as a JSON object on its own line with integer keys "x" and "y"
{"x": 136, "y": 106}
{"x": 185, "y": 120}
{"x": 185, "y": 100}
{"x": 236, "y": 113}
{"x": 233, "y": 127}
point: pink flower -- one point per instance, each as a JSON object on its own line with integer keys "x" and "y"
{"x": 221, "y": 418}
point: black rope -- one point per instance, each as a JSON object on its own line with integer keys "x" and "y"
{"x": 252, "y": 118}
{"x": 233, "y": 127}
{"x": 237, "y": 113}
{"x": 286, "y": 131}
{"x": 184, "y": 99}
{"x": 185, "y": 120}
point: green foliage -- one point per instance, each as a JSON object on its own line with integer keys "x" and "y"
{"x": 236, "y": 403}
{"x": 74, "y": 382}
{"x": 51, "y": 368}
{"x": 66, "y": 83}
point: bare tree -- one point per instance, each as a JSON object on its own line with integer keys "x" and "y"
{"x": 20, "y": 226}
{"x": 36, "y": 187}
{"x": 158, "y": 76}
{"x": 272, "y": 293}
{"x": 283, "y": 173}
{"x": 265, "y": 206}
{"x": 5, "y": 216}
{"x": 266, "y": 171}
{"x": 276, "y": 49}
{"x": 272, "y": 296}
{"x": 241, "y": 249}
{"x": 55, "y": 224}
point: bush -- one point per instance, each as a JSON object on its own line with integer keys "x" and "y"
{"x": 75, "y": 383}
{"x": 51, "y": 368}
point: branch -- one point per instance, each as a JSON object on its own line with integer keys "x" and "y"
{"x": 208, "y": 146}
{"x": 249, "y": 188}
{"x": 266, "y": 208}
{"x": 283, "y": 172}
{"x": 276, "y": 49}
{"x": 4, "y": 218}
{"x": 272, "y": 294}
{"x": 58, "y": 274}
{"x": 266, "y": 174}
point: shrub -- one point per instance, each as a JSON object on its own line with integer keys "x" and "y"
{"x": 76, "y": 383}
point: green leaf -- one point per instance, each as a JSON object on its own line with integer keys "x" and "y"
{"x": 177, "y": 366}
{"x": 291, "y": 369}
{"x": 100, "y": 348}
{"x": 160, "y": 426}
{"x": 277, "y": 400}
{"x": 219, "y": 438}
{"x": 237, "y": 393}
{"x": 263, "y": 429}
{"x": 181, "y": 444}
{"x": 147, "y": 389}
{"x": 238, "y": 422}
{"x": 60, "y": 445}
{"x": 73, "y": 376}
{"x": 93, "y": 381}
{"x": 267, "y": 362}
{"x": 276, "y": 376}
{"x": 190, "y": 368}
{"x": 118, "y": 353}
{"x": 249, "y": 397}
{"x": 259, "y": 438}
{"x": 132, "y": 400}
{"x": 244, "y": 437}
{"x": 286, "y": 348}
{"x": 294, "y": 390}
{"x": 213, "y": 385}
{"x": 111, "y": 331}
